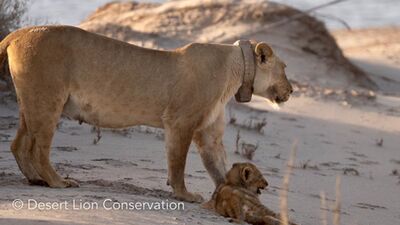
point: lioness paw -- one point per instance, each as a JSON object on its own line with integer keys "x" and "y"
{"x": 70, "y": 183}
{"x": 189, "y": 197}
{"x": 65, "y": 183}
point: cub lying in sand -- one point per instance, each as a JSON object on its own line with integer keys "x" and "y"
{"x": 238, "y": 197}
{"x": 62, "y": 70}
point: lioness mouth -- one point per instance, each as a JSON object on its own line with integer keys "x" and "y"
{"x": 278, "y": 100}
{"x": 281, "y": 99}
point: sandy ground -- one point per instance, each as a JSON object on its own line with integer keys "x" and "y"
{"x": 131, "y": 166}
{"x": 351, "y": 133}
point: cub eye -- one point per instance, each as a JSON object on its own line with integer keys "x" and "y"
{"x": 263, "y": 59}
{"x": 246, "y": 174}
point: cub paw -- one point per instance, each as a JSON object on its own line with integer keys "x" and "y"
{"x": 210, "y": 205}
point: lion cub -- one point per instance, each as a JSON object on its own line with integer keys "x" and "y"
{"x": 238, "y": 199}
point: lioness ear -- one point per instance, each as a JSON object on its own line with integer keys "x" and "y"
{"x": 246, "y": 171}
{"x": 263, "y": 51}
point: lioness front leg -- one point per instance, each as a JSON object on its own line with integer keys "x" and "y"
{"x": 177, "y": 142}
{"x": 211, "y": 148}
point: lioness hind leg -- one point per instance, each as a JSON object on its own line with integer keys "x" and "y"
{"x": 42, "y": 113}
{"x": 234, "y": 209}
{"x": 40, "y": 156}
{"x": 20, "y": 147}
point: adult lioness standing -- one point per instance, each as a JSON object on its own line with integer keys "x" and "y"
{"x": 62, "y": 70}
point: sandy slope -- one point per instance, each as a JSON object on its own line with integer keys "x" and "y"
{"x": 377, "y": 51}
{"x": 354, "y": 134}
{"x": 176, "y": 23}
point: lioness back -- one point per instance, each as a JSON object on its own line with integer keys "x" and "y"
{"x": 109, "y": 83}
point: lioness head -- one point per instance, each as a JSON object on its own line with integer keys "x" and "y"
{"x": 246, "y": 175}
{"x": 270, "y": 79}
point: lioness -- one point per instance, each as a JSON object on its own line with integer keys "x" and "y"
{"x": 63, "y": 70}
{"x": 238, "y": 197}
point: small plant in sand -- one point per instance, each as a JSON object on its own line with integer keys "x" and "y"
{"x": 308, "y": 166}
{"x": 379, "y": 142}
{"x": 248, "y": 150}
{"x": 350, "y": 171}
{"x": 257, "y": 125}
{"x": 98, "y": 135}
{"x": 232, "y": 117}
{"x": 253, "y": 125}
{"x": 245, "y": 149}
{"x": 237, "y": 141}
{"x": 159, "y": 133}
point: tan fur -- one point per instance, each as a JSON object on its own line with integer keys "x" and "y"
{"x": 238, "y": 197}
{"x": 62, "y": 70}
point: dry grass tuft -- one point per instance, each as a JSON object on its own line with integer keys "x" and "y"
{"x": 252, "y": 124}
{"x": 249, "y": 150}
{"x": 98, "y": 136}
{"x": 237, "y": 141}
{"x": 285, "y": 186}
{"x": 324, "y": 217}
{"x": 244, "y": 149}
{"x": 336, "y": 210}
{"x": 284, "y": 215}
{"x": 308, "y": 166}
{"x": 379, "y": 142}
{"x": 232, "y": 117}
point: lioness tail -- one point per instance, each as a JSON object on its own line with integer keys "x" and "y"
{"x": 3, "y": 51}
{"x": 6, "y": 42}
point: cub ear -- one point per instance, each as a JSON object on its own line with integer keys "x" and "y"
{"x": 245, "y": 174}
{"x": 263, "y": 51}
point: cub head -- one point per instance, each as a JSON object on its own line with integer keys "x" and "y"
{"x": 270, "y": 79}
{"x": 246, "y": 175}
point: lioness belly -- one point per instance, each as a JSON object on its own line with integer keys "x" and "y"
{"x": 99, "y": 114}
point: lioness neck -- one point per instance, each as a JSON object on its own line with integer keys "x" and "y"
{"x": 214, "y": 72}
